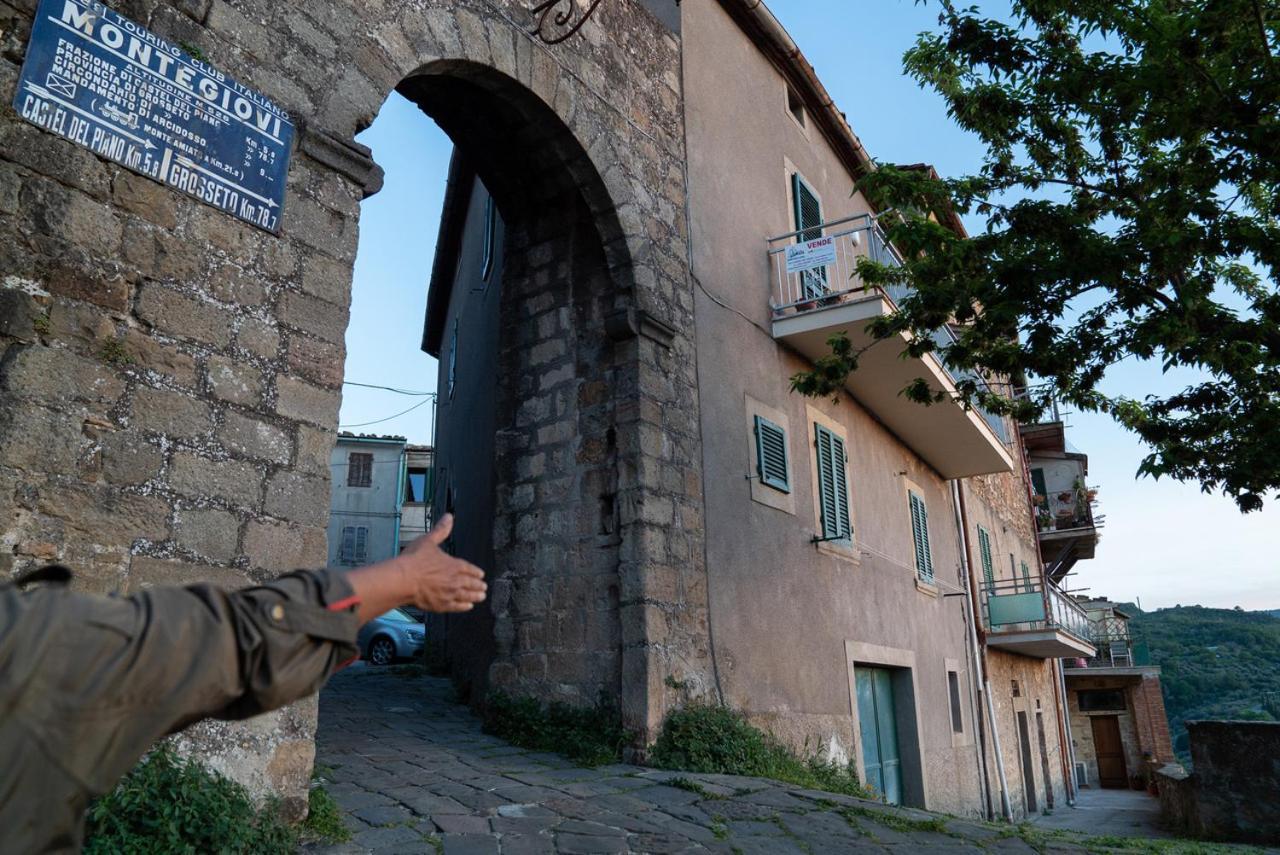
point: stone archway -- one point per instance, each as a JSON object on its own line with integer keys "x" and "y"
{"x": 167, "y": 391}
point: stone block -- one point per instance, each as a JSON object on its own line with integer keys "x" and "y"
{"x": 259, "y": 338}
{"x": 210, "y": 533}
{"x": 306, "y": 403}
{"x": 149, "y": 354}
{"x": 315, "y": 360}
{"x": 18, "y": 314}
{"x": 71, "y": 320}
{"x": 233, "y": 284}
{"x": 146, "y": 198}
{"x": 181, "y": 316}
{"x": 231, "y": 481}
{"x": 298, "y": 498}
{"x": 105, "y": 515}
{"x": 256, "y": 439}
{"x": 127, "y": 460}
{"x": 273, "y": 546}
{"x": 38, "y": 439}
{"x": 318, "y": 317}
{"x": 234, "y": 381}
{"x": 172, "y": 414}
{"x": 314, "y": 449}
{"x": 74, "y": 217}
{"x": 58, "y": 376}
{"x": 147, "y": 572}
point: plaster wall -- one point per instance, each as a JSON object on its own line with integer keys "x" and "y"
{"x": 375, "y": 507}
{"x": 790, "y": 618}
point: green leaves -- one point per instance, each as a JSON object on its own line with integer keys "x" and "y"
{"x": 1130, "y": 194}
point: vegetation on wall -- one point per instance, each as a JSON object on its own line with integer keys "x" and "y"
{"x": 590, "y": 736}
{"x": 716, "y": 740}
{"x": 1215, "y": 663}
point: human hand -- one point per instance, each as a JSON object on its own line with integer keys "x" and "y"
{"x": 439, "y": 582}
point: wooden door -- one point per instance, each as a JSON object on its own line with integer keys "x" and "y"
{"x": 1028, "y": 776}
{"x": 878, "y": 726}
{"x": 1109, "y": 751}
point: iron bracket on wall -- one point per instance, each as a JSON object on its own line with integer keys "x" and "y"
{"x": 561, "y": 19}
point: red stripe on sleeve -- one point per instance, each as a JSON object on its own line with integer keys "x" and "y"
{"x": 345, "y": 603}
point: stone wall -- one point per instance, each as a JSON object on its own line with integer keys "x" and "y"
{"x": 1231, "y": 795}
{"x": 170, "y": 378}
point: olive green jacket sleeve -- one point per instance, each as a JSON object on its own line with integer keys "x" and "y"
{"x": 88, "y": 684}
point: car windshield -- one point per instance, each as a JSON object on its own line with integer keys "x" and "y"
{"x": 397, "y": 616}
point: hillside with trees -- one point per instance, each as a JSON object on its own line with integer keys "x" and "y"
{"x": 1217, "y": 663}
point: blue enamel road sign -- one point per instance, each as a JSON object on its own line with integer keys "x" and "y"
{"x": 110, "y": 85}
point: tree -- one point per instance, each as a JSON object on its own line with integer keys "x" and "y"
{"x": 1131, "y": 196}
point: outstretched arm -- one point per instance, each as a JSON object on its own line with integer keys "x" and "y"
{"x": 424, "y": 575}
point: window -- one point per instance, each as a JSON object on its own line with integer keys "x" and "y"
{"x": 808, "y": 218}
{"x": 953, "y": 687}
{"x": 833, "y": 485}
{"x": 771, "y": 455}
{"x": 1017, "y": 691}
{"x": 1026, "y": 578}
{"x": 453, "y": 358}
{"x": 1102, "y": 700}
{"x": 1037, "y": 482}
{"x": 418, "y": 486}
{"x": 795, "y": 106}
{"x": 984, "y": 553}
{"x": 355, "y": 544}
{"x": 490, "y": 234}
{"x": 920, "y": 536}
{"x": 359, "y": 469}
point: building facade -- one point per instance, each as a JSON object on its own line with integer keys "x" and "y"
{"x": 419, "y": 487}
{"x": 368, "y": 486}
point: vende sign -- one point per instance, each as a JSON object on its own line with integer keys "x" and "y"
{"x": 811, "y": 254}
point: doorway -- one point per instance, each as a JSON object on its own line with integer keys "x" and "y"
{"x": 1109, "y": 751}
{"x": 877, "y": 721}
{"x": 1028, "y": 772}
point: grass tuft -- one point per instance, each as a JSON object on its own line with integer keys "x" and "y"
{"x": 324, "y": 821}
{"x": 720, "y": 741}
{"x": 589, "y": 736}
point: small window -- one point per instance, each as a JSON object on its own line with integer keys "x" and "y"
{"x": 453, "y": 359}
{"x": 1102, "y": 700}
{"x": 953, "y": 687}
{"x": 1037, "y": 482}
{"x": 795, "y": 106}
{"x": 417, "y": 486}
{"x": 1017, "y": 690}
{"x": 355, "y": 544}
{"x": 833, "y": 485}
{"x": 984, "y": 553}
{"x": 771, "y": 455}
{"x": 490, "y": 235}
{"x": 359, "y": 469}
{"x": 920, "y": 536}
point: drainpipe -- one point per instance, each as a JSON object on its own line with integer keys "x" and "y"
{"x": 400, "y": 479}
{"x": 971, "y": 653}
{"x": 1006, "y": 809}
{"x": 1064, "y": 731}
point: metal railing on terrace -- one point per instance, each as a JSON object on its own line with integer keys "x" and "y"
{"x": 797, "y": 290}
{"x": 1066, "y": 509}
{"x": 1117, "y": 648}
{"x": 1019, "y": 605}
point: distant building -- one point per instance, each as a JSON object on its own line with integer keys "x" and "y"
{"x": 368, "y": 489}
{"x": 1119, "y": 729}
{"x": 415, "y": 509}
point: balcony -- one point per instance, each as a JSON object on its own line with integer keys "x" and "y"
{"x": 817, "y": 294}
{"x": 1034, "y": 617}
{"x": 1118, "y": 653}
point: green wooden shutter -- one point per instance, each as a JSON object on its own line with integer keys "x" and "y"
{"x": 362, "y": 544}
{"x": 833, "y": 485}
{"x": 771, "y": 455}
{"x": 347, "y": 551}
{"x": 984, "y": 550}
{"x": 1026, "y": 577}
{"x": 1037, "y": 482}
{"x": 920, "y": 536}
{"x": 808, "y": 215}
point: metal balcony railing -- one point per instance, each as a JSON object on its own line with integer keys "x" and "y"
{"x": 1116, "y": 647}
{"x": 796, "y": 292}
{"x": 1064, "y": 510}
{"x": 1020, "y": 605}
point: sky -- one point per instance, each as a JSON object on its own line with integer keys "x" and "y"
{"x": 1163, "y": 543}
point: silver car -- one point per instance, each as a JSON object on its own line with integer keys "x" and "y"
{"x": 394, "y": 635}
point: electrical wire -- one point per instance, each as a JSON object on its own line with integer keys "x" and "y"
{"x": 389, "y": 418}
{"x": 389, "y": 389}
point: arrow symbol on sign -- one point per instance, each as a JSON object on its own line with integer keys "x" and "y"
{"x": 183, "y": 160}
{"x": 45, "y": 93}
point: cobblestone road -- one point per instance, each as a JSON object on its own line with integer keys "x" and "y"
{"x": 415, "y": 774}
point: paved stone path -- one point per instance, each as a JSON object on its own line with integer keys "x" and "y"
{"x": 1123, "y": 813}
{"x": 414, "y": 773}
